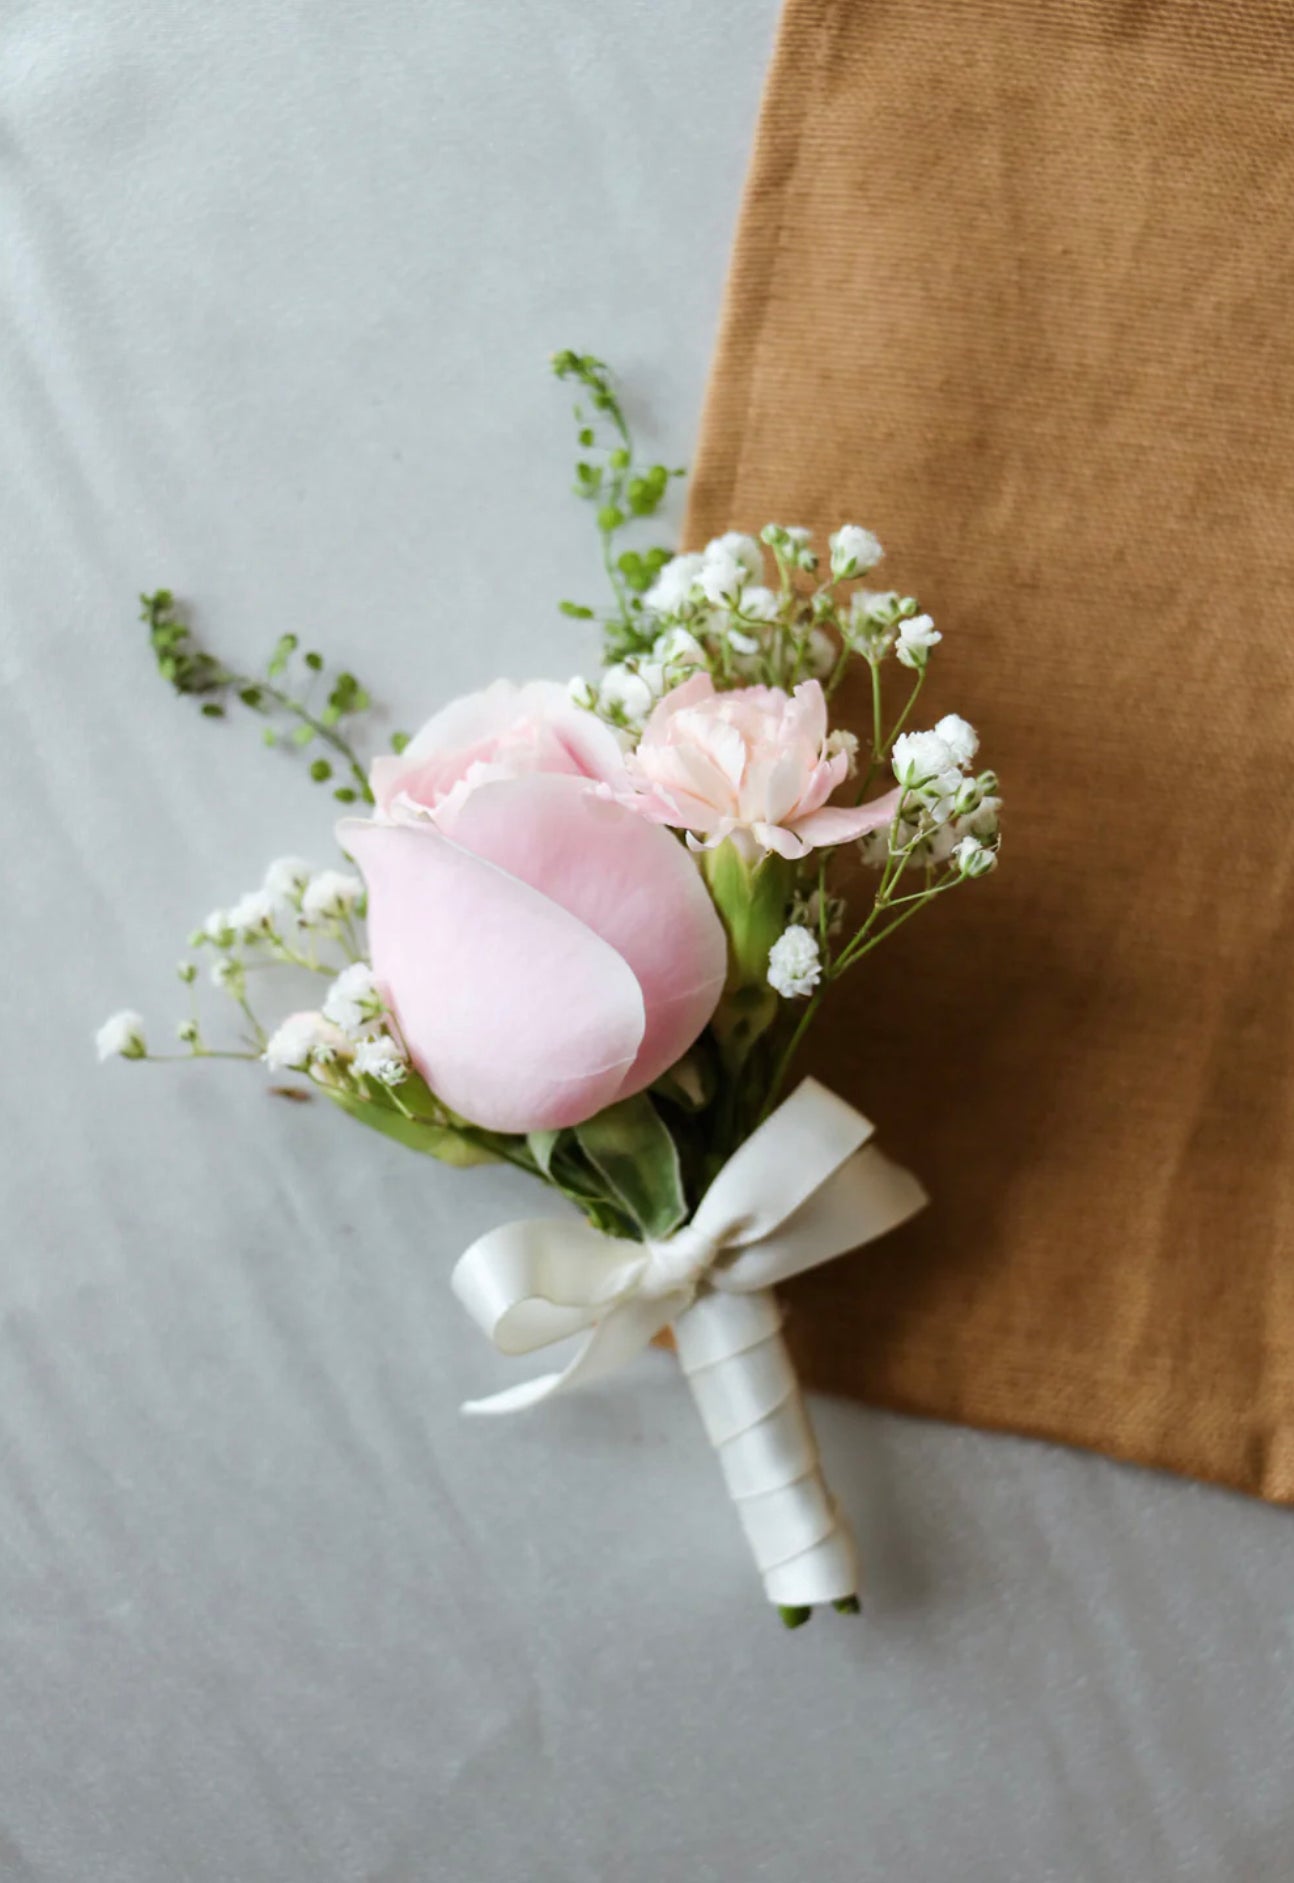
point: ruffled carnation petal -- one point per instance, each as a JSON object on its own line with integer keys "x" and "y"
{"x": 840, "y": 823}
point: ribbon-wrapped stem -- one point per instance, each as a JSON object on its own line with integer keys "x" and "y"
{"x": 807, "y": 1185}
{"x": 732, "y": 1353}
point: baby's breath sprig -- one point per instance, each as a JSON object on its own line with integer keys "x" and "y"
{"x": 282, "y": 693}
{"x": 609, "y": 475}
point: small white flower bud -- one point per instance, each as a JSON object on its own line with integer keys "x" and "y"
{"x": 841, "y": 740}
{"x": 304, "y": 1040}
{"x": 330, "y": 895}
{"x": 122, "y": 1036}
{"x": 353, "y": 998}
{"x": 759, "y": 603}
{"x": 920, "y": 757}
{"x": 381, "y": 1059}
{"x": 228, "y": 975}
{"x": 742, "y": 643}
{"x": 678, "y": 649}
{"x": 743, "y": 549}
{"x": 187, "y": 972}
{"x": 218, "y": 928}
{"x": 674, "y": 590}
{"x": 252, "y": 916}
{"x": 626, "y": 694}
{"x": 959, "y": 736}
{"x": 973, "y": 859}
{"x": 853, "y": 551}
{"x": 917, "y": 636}
{"x": 820, "y": 653}
{"x": 285, "y": 879}
{"x": 794, "y": 963}
{"x": 722, "y": 578}
{"x": 187, "y": 1031}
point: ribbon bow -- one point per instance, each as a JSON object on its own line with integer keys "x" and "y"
{"x": 805, "y": 1187}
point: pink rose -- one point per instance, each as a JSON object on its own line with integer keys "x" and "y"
{"x": 503, "y": 732}
{"x": 752, "y": 765}
{"x": 544, "y": 950}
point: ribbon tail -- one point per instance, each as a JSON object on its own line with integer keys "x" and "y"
{"x": 618, "y": 1337}
{"x": 864, "y": 1198}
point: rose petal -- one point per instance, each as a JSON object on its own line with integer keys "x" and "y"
{"x": 628, "y": 880}
{"x": 516, "y": 1013}
{"x": 576, "y": 741}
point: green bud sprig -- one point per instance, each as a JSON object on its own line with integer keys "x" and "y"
{"x": 623, "y": 491}
{"x": 285, "y": 694}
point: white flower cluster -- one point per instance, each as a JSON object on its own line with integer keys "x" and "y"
{"x": 303, "y": 1042}
{"x": 353, "y": 999}
{"x": 346, "y": 1039}
{"x": 944, "y": 812}
{"x": 717, "y": 613}
{"x": 293, "y": 895}
{"x": 880, "y": 619}
{"x": 794, "y": 963}
{"x": 293, "y": 909}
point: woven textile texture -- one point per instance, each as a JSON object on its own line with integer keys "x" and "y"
{"x": 1014, "y": 286}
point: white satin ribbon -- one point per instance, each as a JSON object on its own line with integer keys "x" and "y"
{"x": 804, "y": 1188}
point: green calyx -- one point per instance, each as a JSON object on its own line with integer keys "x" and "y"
{"x": 751, "y": 897}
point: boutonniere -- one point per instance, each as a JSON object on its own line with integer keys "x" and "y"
{"x": 585, "y": 928}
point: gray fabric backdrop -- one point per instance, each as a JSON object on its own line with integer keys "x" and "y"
{"x": 278, "y": 288}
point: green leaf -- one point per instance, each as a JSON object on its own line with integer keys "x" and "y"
{"x": 542, "y": 1145}
{"x": 321, "y": 771}
{"x": 302, "y": 735}
{"x": 314, "y": 662}
{"x": 284, "y": 648}
{"x": 213, "y": 711}
{"x": 438, "y": 1141}
{"x": 630, "y": 1146}
{"x": 399, "y": 740}
{"x": 689, "y": 1084}
{"x": 576, "y": 611}
{"x": 345, "y": 794}
{"x": 752, "y": 898}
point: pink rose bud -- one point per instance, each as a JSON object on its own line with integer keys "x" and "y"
{"x": 545, "y": 951}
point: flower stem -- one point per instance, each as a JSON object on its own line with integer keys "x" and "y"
{"x": 791, "y": 1048}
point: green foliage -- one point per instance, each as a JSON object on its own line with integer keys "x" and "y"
{"x": 631, "y": 1148}
{"x": 752, "y": 898}
{"x": 559, "y": 1160}
{"x": 285, "y": 693}
{"x": 436, "y": 1140}
{"x": 625, "y": 492}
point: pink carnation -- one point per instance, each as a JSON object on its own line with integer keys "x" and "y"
{"x": 750, "y": 765}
